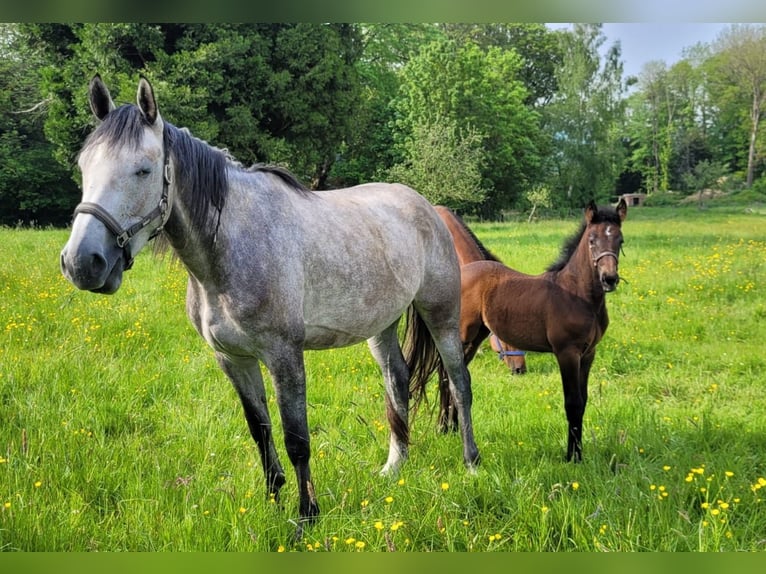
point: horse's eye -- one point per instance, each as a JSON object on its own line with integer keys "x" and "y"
{"x": 144, "y": 171}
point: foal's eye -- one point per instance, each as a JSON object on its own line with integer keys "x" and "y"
{"x": 144, "y": 171}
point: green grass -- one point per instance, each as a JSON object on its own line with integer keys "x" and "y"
{"x": 119, "y": 432}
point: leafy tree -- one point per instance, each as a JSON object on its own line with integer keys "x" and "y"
{"x": 585, "y": 118}
{"x": 740, "y": 70}
{"x": 481, "y": 92}
{"x": 443, "y": 164}
{"x": 34, "y": 188}
{"x": 368, "y": 150}
{"x": 537, "y": 46}
{"x": 283, "y": 93}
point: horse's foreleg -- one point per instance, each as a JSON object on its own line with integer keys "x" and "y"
{"x": 388, "y": 354}
{"x": 574, "y": 401}
{"x": 289, "y": 376}
{"x": 248, "y": 382}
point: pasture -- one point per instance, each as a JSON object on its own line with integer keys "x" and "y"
{"x": 118, "y": 431}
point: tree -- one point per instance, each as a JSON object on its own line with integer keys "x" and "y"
{"x": 34, "y": 188}
{"x": 480, "y": 92}
{"x": 282, "y": 93}
{"x": 443, "y": 164}
{"x": 585, "y": 118}
{"x": 368, "y": 151}
{"x": 741, "y": 62}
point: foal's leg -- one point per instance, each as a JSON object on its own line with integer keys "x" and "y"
{"x": 575, "y": 395}
{"x": 245, "y": 375}
{"x": 388, "y": 354}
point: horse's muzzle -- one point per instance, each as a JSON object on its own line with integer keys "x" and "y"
{"x": 93, "y": 271}
{"x": 609, "y": 281}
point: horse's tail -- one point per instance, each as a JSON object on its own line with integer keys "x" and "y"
{"x": 420, "y": 354}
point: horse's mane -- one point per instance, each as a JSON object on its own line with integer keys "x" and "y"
{"x": 603, "y": 214}
{"x": 282, "y": 173}
{"x": 485, "y": 253}
{"x": 198, "y": 166}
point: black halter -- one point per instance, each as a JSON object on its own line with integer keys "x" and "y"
{"x": 122, "y": 235}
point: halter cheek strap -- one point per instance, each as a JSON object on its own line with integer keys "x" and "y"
{"x": 123, "y": 235}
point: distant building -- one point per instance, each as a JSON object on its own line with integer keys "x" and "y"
{"x": 634, "y": 198}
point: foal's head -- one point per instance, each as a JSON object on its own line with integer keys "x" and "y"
{"x": 604, "y": 235}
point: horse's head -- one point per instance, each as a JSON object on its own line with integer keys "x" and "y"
{"x": 125, "y": 190}
{"x": 604, "y": 236}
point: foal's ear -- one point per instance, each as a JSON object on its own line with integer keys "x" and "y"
{"x": 146, "y": 102}
{"x": 622, "y": 209}
{"x": 100, "y": 100}
{"x": 590, "y": 211}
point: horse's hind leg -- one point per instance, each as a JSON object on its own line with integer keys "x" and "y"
{"x": 447, "y": 412}
{"x": 248, "y": 382}
{"x": 388, "y": 354}
{"x": 442, "y": 323}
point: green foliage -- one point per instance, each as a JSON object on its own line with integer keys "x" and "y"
{"x": 443, "y": 164}
{"x": 281, "y": 93}
{"x": 477, "y": 90}
{"x": 585, "y": 119}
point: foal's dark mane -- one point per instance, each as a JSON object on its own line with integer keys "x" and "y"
{"x": 604, "y": 214}
{"x": 485, "y": 253}
{"x": 199, "y": 166}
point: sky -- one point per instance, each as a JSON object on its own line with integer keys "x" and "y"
{"x": 647, "y": 41}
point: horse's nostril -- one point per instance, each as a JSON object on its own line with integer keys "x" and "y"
{"x": 98, "y": 264}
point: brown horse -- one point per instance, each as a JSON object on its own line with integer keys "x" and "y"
{"x": 470, "y": 249}
{"x": 561, "y": 311}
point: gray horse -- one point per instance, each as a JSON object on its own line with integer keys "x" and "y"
{"x": 274, "y": 269}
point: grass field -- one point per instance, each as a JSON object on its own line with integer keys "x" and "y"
{"x": 119, "y": 432}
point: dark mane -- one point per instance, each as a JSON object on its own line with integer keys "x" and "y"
{"x": 604, "y": 214}
{"x": 485, "y": 253}
{"x": 282, "y": 173}
{"x": 199, "y": 167}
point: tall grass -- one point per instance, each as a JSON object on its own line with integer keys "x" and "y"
{"x": 119, "y": 432}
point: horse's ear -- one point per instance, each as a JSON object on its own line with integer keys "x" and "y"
{"x": 590, "y": 211}
{"x": 622, "y": 209}
{"x": 146, "y": 102}
{"x": 100, "y": 100}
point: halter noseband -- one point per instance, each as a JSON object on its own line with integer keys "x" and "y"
{"x": 122, "y": 235}
{"x": 503, "y": 353}
{"x": 600, "y": 256}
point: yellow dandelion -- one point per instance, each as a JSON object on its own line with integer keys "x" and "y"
{"x": 38, "y": 483}
{"x": 666, "y": 468}
{"x": 575, "y": 485}
{"x": 359, "y": 545}
{"x": 705, "y": 505}
{"x": 280, "y": 548}
{"x": 350, "y": 541}
{"x": 242, "y": 509}
{"x": 389, "y": 499}
{"x": 723, "y": 505}
{"x": 7, "y": 505}
{"x": 729, "y": 473}
{"x": 445, "y": 486}
{"x": 378, "y": 525}
{"x": 365, "y": 503}
{"x": 400, "y": 482}
{"x": 396, "y": 525}
{"x": 715, "y": 512}
{"x": 544, "y": 509}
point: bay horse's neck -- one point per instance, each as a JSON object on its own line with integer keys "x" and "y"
{"x": 580, "y": 277}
